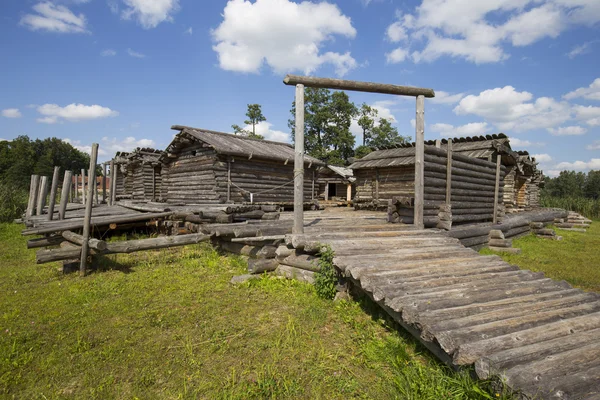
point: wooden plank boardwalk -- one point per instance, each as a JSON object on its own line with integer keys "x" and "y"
{"x": 541, "y": 336}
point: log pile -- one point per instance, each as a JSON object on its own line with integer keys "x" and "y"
{"x": 540, "y": 230}
{"x": 497, "y": 242}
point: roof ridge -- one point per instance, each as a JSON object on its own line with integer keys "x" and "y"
{"x": 183, "y": 128}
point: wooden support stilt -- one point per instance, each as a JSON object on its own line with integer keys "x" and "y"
{"x": 42, "y": 193}
{"x": 64, "y": 197}
{"x": 419, "y": 162}
{"x": 88, "y": 211}
{"x": 497, "y": 187}
{"x": 113, "y": 183}
{"x": 83, "y": 194}
{"x": 299, "y": 163}
{"x": 52, "y": 202}
{"x": 104, "y": 183}
{"x": 33, "y": 189}
{"x": 449, "y": 173}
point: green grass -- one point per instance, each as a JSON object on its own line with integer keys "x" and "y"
{"x": 167, "y": 324}
{"x": 575, "y": 259}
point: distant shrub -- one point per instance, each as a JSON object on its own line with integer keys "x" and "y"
{"x": 326, "y": 278}
{"x": 587, "y": 207}
{"x": 13, "y": 201}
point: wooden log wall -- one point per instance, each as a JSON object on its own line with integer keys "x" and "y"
{"x": 472, "y": 190}
{"x": 378, "y": 185}
{"x": 144, "y": 178}
{"x": 341, "y": 189}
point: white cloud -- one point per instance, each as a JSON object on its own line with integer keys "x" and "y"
{"x": 593, "y": 146}
{"x": 542, "y": 158}
{"x": 594, "y": 163}
{"x": 580, "y": 50}
{"x": 591, "y": 92}
{"x": 108, "y": 53}
{"x": 286, "y": 36}
{"x": 567, "y": 131}
{"x": 149, "y": 13}
{"x": 54, "y": 18}
{"x": 189, "y": 31}
{"x": 442, "y": 97}
{"x": 108, "y": 147}
{"x": 480, "y": 32}
{"x": 11, "y": 113}
{"x": 517, "y": 143}
{"x": 53, "y": 113}
{"x": 396, "y": 56}
{"x": 5, "y": 140}
{"x": 135, "y": 54}
{"x": 512, "y": 110}
{"x": 590, "y": 115}
{"x": 264, "y": 129}
{"x": 470, "y": 129}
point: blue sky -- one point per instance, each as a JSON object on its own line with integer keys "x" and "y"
{"x": 121, "y": 72}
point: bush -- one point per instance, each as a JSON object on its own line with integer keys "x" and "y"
{"x": 326, "y": 278}
{"x": 587, "y": 207}
{"x": 13, "y": 201}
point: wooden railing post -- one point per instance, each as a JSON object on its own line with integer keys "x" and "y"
{"x": 64, "y": 197}
{"x": 497, "y": 188}
{"x": 419, "y": 162}
{"x": 449, "y": 173}
{"x": 53, "y": 193}
{"x": 88, "y": 210}
{"x": 113, "y": 183}
{"x": 83, "y": 194}
{"x": 104, "y": 183}
{"x": 298, "y": 227}
{"x": 33, "y": 189}
{"x": 42, "y": 193}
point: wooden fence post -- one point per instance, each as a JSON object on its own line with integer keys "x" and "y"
{"x": 449, "y": 173}
{"x": 42, "y": 193}
{"x": 497, "y": 188}
{"x": 104, "y": 183}
{"x": 88, "y": 211}
{"x": 83, "y": 194}
{"x": 298, "y": 227}
{"x": 419, "y": 162}
{"x": 64, "y": 197}
{"x": 33, "y": 188}
{"x": 53, "y": 193}
{"x": 113, "y": 183}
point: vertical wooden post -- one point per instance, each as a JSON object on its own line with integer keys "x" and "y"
{"x": 88, "y": 210}
{"x": 64, "y": 197}
{"x": 349, "y": 193}
{"x": 229, "y": 180}
{"x": 438, "y": 143}
{"x": 153, "y": 182}
{"x": 95, "y": 183}
{"x": 53, "y": 193}
{"x": 497, "y": 187}
{"x": 113, "y": 182}
{"x": 33, "y": 188}
{"x": 83, "y": 194}
{"x": 419, "y": 161}
{"x": 42, "y": 193}
{"x": 377, "y": 184}
{"x": 449, "y": 173}
{"x": 104, "y": 183}
{"x": 312, "y": 196}
{"x": 76, "y": 189}
{"x": 326, "y": 190}
{"x": 298, "y": 227}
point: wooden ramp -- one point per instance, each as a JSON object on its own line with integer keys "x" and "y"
{"x": 542, "y": 336}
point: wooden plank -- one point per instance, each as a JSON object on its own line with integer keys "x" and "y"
{"x": 357, "y": 86}
{"x": 299, "y": 162}
{"x": 41, "y": 197}
{"x": 449, "y": 173}
{"x": 113, "y": 183}
{"x": 64, "y": 196}
{"x": 104, "y": 182}
{"x": 89, "y": 199}
{"x": 83, "y": 193}
{"x": 497, "y": 188}
{"x": 33, "y": 190}
{"x": 419, "y": 161}
{"x": 53, "y": 193}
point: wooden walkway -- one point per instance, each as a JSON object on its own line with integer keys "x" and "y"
{"x": 541, "y": 336}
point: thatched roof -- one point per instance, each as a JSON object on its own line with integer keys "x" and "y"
{"x": 234, "y": 145}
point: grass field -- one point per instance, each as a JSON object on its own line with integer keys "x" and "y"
{"x": 575, "y": 259}
{"x": 168, "y": 325}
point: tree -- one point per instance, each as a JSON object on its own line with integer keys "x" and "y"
{"x": 592, "y": 185}
{"x": 385, "y": 135}
{"x": 366, "y": 121}
{"x": 327, "y": 120}
{"x": 237, "y": 130}
{"x": 255, "y": 116}
{"x": 566, "y": 184}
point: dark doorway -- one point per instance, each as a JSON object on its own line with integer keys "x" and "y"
{"x": 331, "y": 190}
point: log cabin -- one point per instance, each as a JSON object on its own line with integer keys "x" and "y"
{"x": 205, "y": 167}
{"x": 123, "y": 185}
{"x": 336, "y": 183}
{"x": 385, "y": 176}
{"x": 144, "y": 172}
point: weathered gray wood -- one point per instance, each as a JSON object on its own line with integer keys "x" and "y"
{"x": 78, "y": 239}
{"x": 419, "y": 161}
{"x": 449, "y": 173}
{"x": 357, "y": 86}
{"x": 302, "y": 261}
{"x": 295, "y": 273}
{"x": 48, "y": 241}
{"x": 89, "y": 199}
{"x": 104, "y": 182}
{"x": 41, "y": 197}
{"x": 260, "y": 265}
{"x": 64, "y": 196}
{"x": 53, "y": 191}
{"x": 299, "y": 162}
{"x": 113, "y": 183}
{"x": 83, "y": 191}
{"x": 131, "y": 246}
{"x": 33, "y": 192}
{"x": 497, "y": 187}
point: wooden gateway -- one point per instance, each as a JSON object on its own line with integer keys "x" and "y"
{"x": 205, "y": 167}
